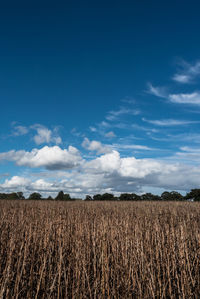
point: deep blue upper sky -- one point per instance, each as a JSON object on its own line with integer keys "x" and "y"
{"x": 123, "y": 74}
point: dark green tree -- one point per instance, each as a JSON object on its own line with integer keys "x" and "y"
{"x": 107, "y": 196}
{"x": 150, "y": 197}
{"x": 67, "y": 197}
{"x": 173, "y": 196}
{"x": 35, "y": 196}
{"x": 20, "y": 195}
{"x": 97, "y": 197}
{"x": 194, "y": 195}
{"x": 60, "y": 196}
{"x": 88, "y": 198}
{"x": 125, "y": 197}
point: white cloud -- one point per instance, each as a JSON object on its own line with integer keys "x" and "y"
{"x": 156, "y": 91}
{"x": 20, "y": 130}
{"x": 114, "y": 114}
{"x": 93, "y": 129}
{"x": 188, "y": 72}
{"x": 104, "y": 124}
{"x": 76, "y": 133}
{"x": 15, "y": 182}
{"x": 146, "y": 129}
{"x": 186, "y": 98}
{"x": 190, "y": 149}
{"x": 169, "y": 122}
{"x": 179, "y": 98}
{"x": 51, "y": 158}
{"x": 96, "y": 146}
{"x": 187, "y": 154}
{"x": 110, "y": 134}
{"x": 181, "y": 78}
{"x": 112, "y": 173}
{"x": 44, "y": 135}
{"x": 131, "y": 147}
{"x": 106, "y": 163}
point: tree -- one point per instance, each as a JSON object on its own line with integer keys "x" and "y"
{"x": 20, "y": 195}
{"x": 67, "y": 197}
{"x": 194, "y": 194}
{"x": 103, "y": 197}
{"x": 176, "y": 196}
{"x": 35, "y": 196}
{"x": 60, "y": 196}
{"x": 107, "y": 196}
{"x": 165, "y": 195}
{"x": 173, "y": 195}
{"x": 125, "y": 197}
{"x": 88, "y": 198}
{"x": 97, "y": 197}
{"x": 150, "y": 197}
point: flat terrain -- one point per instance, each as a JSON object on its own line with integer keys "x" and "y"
{"x": 99, "y": 249}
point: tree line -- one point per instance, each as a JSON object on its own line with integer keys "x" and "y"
{"x": 193, "y": 195}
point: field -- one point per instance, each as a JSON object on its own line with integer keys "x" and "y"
{"x": 99, "y": 249}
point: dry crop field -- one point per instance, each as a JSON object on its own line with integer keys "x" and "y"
{"x": 99, "y": 249}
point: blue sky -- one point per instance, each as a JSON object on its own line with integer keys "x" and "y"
{"x": 99, "y": 96}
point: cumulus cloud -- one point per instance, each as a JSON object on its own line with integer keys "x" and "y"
{"x": 112, "y": 173}
{"x": 96, "y": 146}
{"x": 15, "y": 182}
{"x": 51, "y": 158}
{"x": 125, "y": 174}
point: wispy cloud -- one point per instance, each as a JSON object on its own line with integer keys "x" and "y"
{"x": 187, "y": 154}
{"x": 76, "y": 133}
{"x": 128, "y": 100}
{"x": 157, "y": 91}
{"x": 92, "y": 129}
{"x": 187, "y": 73}
{"x": 186, "y": 98}
{"x": 115, "y": 114}
{"x": 119, "y": 147}
{"x": 179, "y": 98}
{"x": 20, "y": 130}
{"x": 142, "y": 128}
{"x": 169, "y": 122}
{"x": 190, "y": 149}
{"x": 110, "y": 134}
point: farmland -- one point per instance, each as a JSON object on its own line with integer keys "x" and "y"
{"x": 99, "y": 249}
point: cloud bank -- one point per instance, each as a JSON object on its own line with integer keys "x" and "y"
{"x": 107, "y": 173}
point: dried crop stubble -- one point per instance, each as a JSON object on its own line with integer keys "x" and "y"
{"x": 99, "y": 249}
